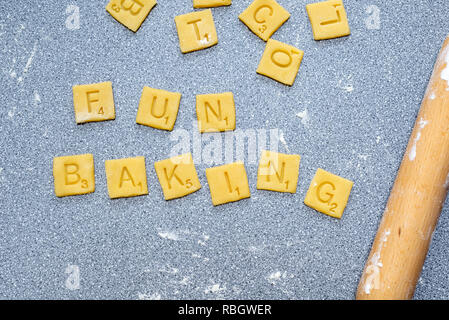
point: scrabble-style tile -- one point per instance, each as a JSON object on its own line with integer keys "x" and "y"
{"x": 126, "y": 177}
{"x": 280, "y": 62}
{"x": 158, "y": 108}
{"x": 93, "y": 102}
{"x": 278, "y": 172}
{"x": 328, "y": 19}
{"x": 215, "y": 112}
{"x": 228, "y": 183}
{"x": 264, "y": 17}
{"x": 328, "y": 193}
{"x": 196, "y": 31}
{"x": 130, "y": 13}
{"x": 74, "y": 175}
{"x": 177, "y": 176}
{"x": 211, "y": 3}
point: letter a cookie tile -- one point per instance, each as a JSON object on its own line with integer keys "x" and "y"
{"x": 126, "y": 177}
{"x": 177, "y": 176}
{"x": 74, "y": 175}
{"x": 280, "y": 62}
{"x": 158, "y": 108}
{"x": 130, "y": 13}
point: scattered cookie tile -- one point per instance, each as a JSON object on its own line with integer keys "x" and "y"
{"x": 211, "y": 3}
{"x": 328, "y": 19}
{"x": 228, "y": 183}
{"x": 215, "y": 112}
{"x": 278, "y": 172}
{"x": 264, "y": 17}
{"x": 158, "y": 108}
{"x": 74, "y": 175}
{"x": 280, "y": 62}
{"x": 126, "y": 177}
{"x": 130, "y": 13}
{"x": 177, "y": 176}
{"x": 196, "y": 30}
{"x": 328, "y": 193}
{"x": 93, "y": 102}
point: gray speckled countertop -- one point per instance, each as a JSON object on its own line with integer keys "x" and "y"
{"x": 361, "y": 95}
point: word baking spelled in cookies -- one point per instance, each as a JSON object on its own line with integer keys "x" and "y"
{"x": 211, "y": 3}
{"x": 278, "y": 172}
{"x": 280, "y": 62}
{"x": 158, "y": 108}
{"x": 130, "y": 13}
{"x": 264, "y": 17}
{"x": 228, "y": 183}
{"x": 177, "y": 176}
{"x": 93, "y": 102}
{"x": 215, "y": 112}
{"x": 196, "y": 31}
{"x": 126, "y": 177}
{"x": 328, "y": 193}
{"x": 74, "y": 175}
{"x": 328, "y": 19}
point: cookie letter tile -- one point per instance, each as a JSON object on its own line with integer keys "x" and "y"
{"x": 196, "y": 30}
{"x": 280, "y": 62}
{"x": 215, "y": 112}
{"x": 278, "y": 172}
{"x": 211, "y": 3}
{"x": 228, "y": 183}
{"x": 74, "y": 175}
{"x": 126, "y": 177}
{"x": 328, "y": 193}
{"x": 264, "y": 17}
{"x": 328, "y": 19}
{"x": 130, "y": 13}
{"x": 93, "y": 102}
{"x": 158, "y": 108}
{"x": 177, "y": 176}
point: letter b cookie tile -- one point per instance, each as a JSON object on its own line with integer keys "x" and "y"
{"x": 126, "y": 177}
{"x": 196, "y": 31}
{"x": 74, "y": 175}
{"x": 158, "y": 108}
{"x": 328, "y": 193}
{"x": 264, "y": 17}
{"x": 130, "y": 13}
{"x": 280, "y": 62}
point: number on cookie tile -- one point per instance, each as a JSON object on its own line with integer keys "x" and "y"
{"x": 74, "y": 175}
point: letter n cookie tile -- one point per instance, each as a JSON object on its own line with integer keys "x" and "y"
{"x": 196, "y": 30}
{"x": 177, "y": 176}
{"x": 158, "y": 108}
{"x": 93, "y": 102}
{"x": 328, "y": 193}
{"x": 74, "y": 175}
{"x": 278, "y": 172}
{"x": 328, "y": 19}
{"x": 228, "y": 183}
{"x": 130, "y": 13}
{"x": 264, "y": 17}
{"x": 280, "y": 62}
{"x": 215, "y": 112}
{"x": 126, "y": 177}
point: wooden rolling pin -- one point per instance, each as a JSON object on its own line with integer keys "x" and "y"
{"x": 402, "y": 241}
